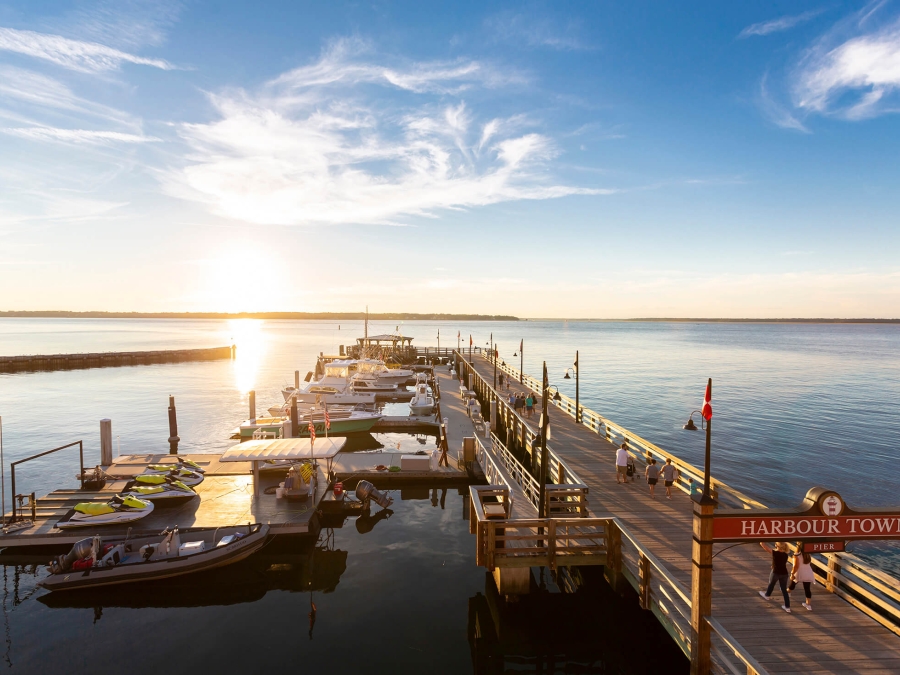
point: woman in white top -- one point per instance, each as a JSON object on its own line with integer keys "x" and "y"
{"x": 802, "y": 572}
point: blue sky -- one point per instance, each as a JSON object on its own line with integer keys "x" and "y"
{"x": 539, "y": 159}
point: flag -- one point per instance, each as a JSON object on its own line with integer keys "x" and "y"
{"x": 458, "y": 335}
{"x": 327, "y": 419}
{"x": 470, "y": 339}
{"x": 312, "y": 432}
{"x": 706, "y": 409}
{"x": 521, "y": 344}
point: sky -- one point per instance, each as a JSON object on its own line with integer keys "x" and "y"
{"x": 564, "y": 159}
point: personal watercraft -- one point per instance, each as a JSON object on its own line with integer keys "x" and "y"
{"x": 158, "y": 487}
{"x": 186, "y": 476}
{"x": 119, "y": 509}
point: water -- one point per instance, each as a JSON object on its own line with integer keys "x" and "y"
{"x": 795, "y": 406}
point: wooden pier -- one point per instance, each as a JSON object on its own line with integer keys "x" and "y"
{"x": 47, "y": 362}
{"x": 645, "y": 544}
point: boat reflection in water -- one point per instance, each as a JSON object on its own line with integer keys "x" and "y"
{"x": 568, "y": 623}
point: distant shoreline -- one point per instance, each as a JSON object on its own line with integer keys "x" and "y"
{"x": 360, "y": 316}
{"x": 309, "y": 316}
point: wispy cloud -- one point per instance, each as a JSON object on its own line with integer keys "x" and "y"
{"x": 127, "y": 24}
{"x": 77, "y": 135}
{"x": 312, "y": 146}
{"x": 531, "y": 30}
{"x": 777, "y": 25}
{"x": 852, "y": 77}
{"x": 86, "y": 57}
{"x": 776, "y": 112}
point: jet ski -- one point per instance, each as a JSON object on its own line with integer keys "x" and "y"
{"x": 186, "y": 476}
{"x": 158, "y": 487}
{"x": 119, "y": 509}
{"x": 101, "y": 561}
{"x": 185, "y": 463}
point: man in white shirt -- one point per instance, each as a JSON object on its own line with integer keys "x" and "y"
{"x": 621, "y": 464}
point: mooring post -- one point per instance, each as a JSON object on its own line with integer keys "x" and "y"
{"x": 296, "y": 380}
{"x": 105, "y": 442}
{"x": 233, "y": 351}
{"x": 295, "y": 420}
{"x": 173, "y": 428}
{"x": 252, "y": 405}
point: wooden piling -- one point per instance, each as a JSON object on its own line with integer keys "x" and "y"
{"x": 106, "y": 456}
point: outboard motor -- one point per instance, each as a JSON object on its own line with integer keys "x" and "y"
{"x": 365, "y": 492}
{"x": 81, "y": 550}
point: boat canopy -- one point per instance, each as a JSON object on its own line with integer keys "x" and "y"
{"x": 284, "y": 448}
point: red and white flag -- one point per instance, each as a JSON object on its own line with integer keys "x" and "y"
{"x": 312, "y": 432}
{"x": 706, "y": 409}
{"x": 327, "y": 419}
{"x": 470, "y": 339}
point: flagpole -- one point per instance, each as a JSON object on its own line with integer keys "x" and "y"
{"x": 494, "y": 357}
{"x": 522, "y": 361}
{"x": 706, "y": 498}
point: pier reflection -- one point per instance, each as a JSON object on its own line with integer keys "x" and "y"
{"x": 567, "y": 623}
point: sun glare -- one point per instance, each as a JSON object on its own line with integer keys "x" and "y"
{"x": 243, "y": 278}
{"x": 248, "y": 336}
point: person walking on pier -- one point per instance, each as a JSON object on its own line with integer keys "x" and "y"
{"x": 529, "y": 406}
{"x": 500, "y": 380}
{"x": 802, "y": 572}
{"x": 779, "y": 573}
{"x": 652, "y": 474}
{"x": 669, "y": 474}
{"x": 622, "y": 465}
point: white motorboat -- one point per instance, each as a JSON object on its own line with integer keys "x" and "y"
{"x": 343, "y": 421}
{"x": 422, "y": 402}
{"x": 101, "y": 561}
{"x": 382, "y": 372}
{"x": 362, "y": 382}
{"x": 332, "y": 388}
{"x": 120, "y": 509}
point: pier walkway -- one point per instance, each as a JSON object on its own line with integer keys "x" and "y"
{"x": 751, "y": 635}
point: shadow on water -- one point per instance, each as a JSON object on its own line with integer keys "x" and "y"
{"x": 395, "y": 589}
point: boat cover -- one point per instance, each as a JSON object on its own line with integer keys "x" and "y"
{"x": 284, "y": 448}
{"x": 93, "y": 508}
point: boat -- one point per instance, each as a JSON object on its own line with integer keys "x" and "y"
{"x": 103, "y": 561}
{"x": 158, "y": 487}
{"x": 120, "y": 509}
{"x": 343, "y": 421}
{"x": 422, "y": 402}
{"x": 186, "y": 476}
{"x": 382, "y": 372}
{"x": 363, "y": 382}
{"x": 332, "y": 388}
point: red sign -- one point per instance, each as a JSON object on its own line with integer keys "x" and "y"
{"x": 759, "y": 528}
{"x": 823, "y": 546}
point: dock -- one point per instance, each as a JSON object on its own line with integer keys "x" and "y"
{"x": 646, "y": 548}
{"x": 48, "y": 362}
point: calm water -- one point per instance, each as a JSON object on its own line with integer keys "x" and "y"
{"x": 795, "y": 406}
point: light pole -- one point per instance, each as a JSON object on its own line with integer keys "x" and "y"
{"x": 521, "y": 356}
{"x": 566, "y": 377}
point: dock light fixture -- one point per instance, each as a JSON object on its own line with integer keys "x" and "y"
{"x": 690, "y": 426}
{"x": 555, "y": 395}
{"x": 566, "y": 376}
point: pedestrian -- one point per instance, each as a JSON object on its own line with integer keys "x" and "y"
{"x": 779, "y": 573}
{"x": 518, "y": 402}
{"x": 500, "y": 379}
{"x": 622, "y": 464}
{"x": 802, "y": 572}
{"x": 652, "y": 474}
{"x": 669, "y": 474}
{"x": 529, "y": 405}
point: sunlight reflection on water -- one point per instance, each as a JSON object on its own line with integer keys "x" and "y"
{"x": 248, "y": 336}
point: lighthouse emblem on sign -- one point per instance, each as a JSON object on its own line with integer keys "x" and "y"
{"x": 832, "y": 505}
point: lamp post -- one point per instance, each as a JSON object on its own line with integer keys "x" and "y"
{"x": 545, "y": 455}
{"x": 566, "y": 377}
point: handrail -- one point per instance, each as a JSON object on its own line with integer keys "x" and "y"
{"x": 12, "y": 470}
{"x": 595, "y": 421}
{"x": 753, "y": 666}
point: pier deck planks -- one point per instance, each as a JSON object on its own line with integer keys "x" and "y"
{"x": 834, "y": 638}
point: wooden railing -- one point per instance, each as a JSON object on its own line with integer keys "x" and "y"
{"x": 727, "y": 654}
{"x": 691, "y": 477}
{"x": 867, "y": 588}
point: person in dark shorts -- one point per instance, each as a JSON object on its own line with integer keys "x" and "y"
{"x": 529, "y": 406}
{"x": 652, "y": 475}
{"x": 779, "y": 573}
{"x": 500, "y": 380}
{"x": 670, "y": 475}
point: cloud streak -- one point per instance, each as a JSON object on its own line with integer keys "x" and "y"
{"x": 313, "y": 146}
{"x": 77, "y": 135}
{"x": 85, "y": 57}
{"x": 777, "y": 25}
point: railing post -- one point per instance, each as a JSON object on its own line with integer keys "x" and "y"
{"x": 551, "y": 544}
{"x": 644, "y": 581}
{"x": 834, "y": 568}
{"x": 614, "y": 555}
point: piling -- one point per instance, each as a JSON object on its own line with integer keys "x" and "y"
{"x": 252, "y": 405}
{"x": 296, "y": 379}
{"x": 173, "y": 428}
{"x": 295, "y": 420}
{"x": 106, "y": 456}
